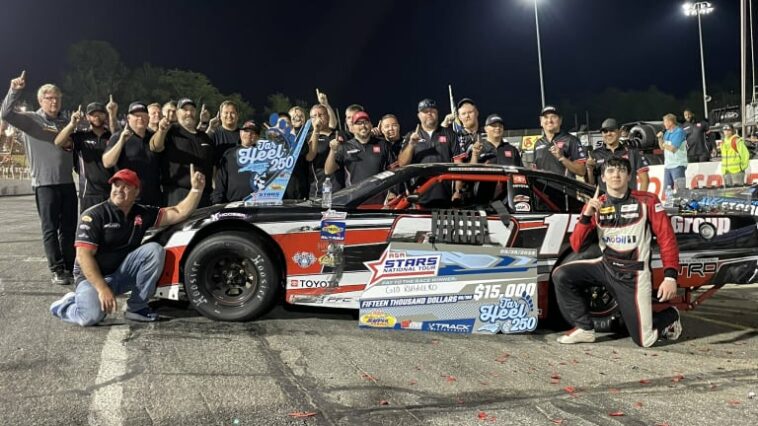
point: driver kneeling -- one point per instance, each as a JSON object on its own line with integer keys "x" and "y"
{"x": 625, "y": 221}
{"x": 110, "y": 257}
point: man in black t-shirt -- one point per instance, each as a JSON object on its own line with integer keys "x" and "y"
{"x": 362, "y": 156}
{"x": 227, "y": 135}
{"x": 390, "y": 128}
{"x": 110, "y": 257}
{"x": 430, "y": 143}
{"x": 318, "y": 151}
{"x": 89, "y": 146}
{"x": 698, "y": 148}
{"x": 466, "y": 135}
{"x": 183, "y": 145}
{"x": 557, "y": 151}
{"x": 232, "y": 182}
{"x": 494, "y": 149}
{"x": 130, "y": 149}
{"x": 612, "y": 148}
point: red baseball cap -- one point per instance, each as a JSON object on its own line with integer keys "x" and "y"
{"x": 360, "y": 115}
{"x": 127, "y": 176}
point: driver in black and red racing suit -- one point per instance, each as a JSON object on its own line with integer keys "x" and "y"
{"x": 625, "y": 221}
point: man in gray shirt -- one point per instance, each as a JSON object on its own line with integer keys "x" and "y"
{"x": 51, "y": 170}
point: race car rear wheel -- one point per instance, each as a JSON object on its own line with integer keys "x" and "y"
{"x": 230, "y": 277}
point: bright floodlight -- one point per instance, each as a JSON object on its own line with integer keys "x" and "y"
{"x": 698, "y": 8}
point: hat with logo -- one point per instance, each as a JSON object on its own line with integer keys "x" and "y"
{"x": 549, "y": 109}
{"x": 95, "y": 107}
{"x": 609, "y": 124}
{"x": 360, "y": 115}
{"x": 465, "y": 101}
{"x": 185, "y": 101}
{"x": 493, "y": 119}
{"x": 251, "y": 126}
{"x": 137, "y": 106}
{"x": 426, "y": 103}
{"x": 126, "y": 175}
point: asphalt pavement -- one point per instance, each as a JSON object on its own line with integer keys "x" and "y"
{"x": 316, "y": 367}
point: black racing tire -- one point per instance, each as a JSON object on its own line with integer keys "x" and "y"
{"x": 604, "y": 308}
{"x": 231, "y": 277}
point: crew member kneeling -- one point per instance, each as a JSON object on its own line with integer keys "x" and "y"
{"x": 110, "y": 259}
{"x": 625, "y": 221}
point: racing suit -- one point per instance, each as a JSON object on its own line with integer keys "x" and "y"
{"x": 624, "y": 227}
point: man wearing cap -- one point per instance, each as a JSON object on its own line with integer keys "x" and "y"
{"x": 110, "y": 257}
{"x": 495, "y": 150}
{"x": 362, "y": 156}
{"x": 318, "y": 151}
{"x": 89, "y": 146}
{"x": 735, "y": 157}
{"x": 232, "y": 181}
{"x": 226, "y": 136}
{"x": 557, "y": 151}
{"x": 613, "y": 148}
{"x": 468, "y": 114}
{"x": 698, "y": 148}
{"x": 430, "y": 143}
{"x": 349, "y": 111}
{"x": 54, "y": 190}
{"x": 130, "y": 149}
{"x": 182, "y": 145}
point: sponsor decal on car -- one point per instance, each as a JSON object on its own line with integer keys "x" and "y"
{"x": 520, "y": 179}
{"x": 304, "y": 259}
{"x": 307, "y": 283}
{"x": 691, "y": 225}
{"x": 523, "y": 207}
{"x": 378, "y": 319}
{"x": 327, "y": 260}
{"x": 228, "y": 215}
{"x": 331, "y": 230}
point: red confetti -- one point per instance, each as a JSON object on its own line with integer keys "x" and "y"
{"x": 637, "y": 404}
{"x": 412, "y": 382}
{"x": 644, "y": 382}
{"x": 502, "y": 358}
{"x": 554, "y": 381}
{"x": 678, "y": 378}
{"x": 366, "y": 376}
{"x": 449, "y": 378}
{"x": 486, "y": 417}
{"x": 570, "y": 389}
{"x": 734, "y": 403}
{"x": 558, "y": 421}
{"x": 302, "y": 414}
{"x": 384, "y": 402}
{"x": 614, "y": 390}
{"x": 616, "y": 414}
{"x": 555, "y": 376}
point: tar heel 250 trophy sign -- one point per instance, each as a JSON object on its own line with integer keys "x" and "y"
{"x": 271, "y": 161}
{"x": 453, "y": 289}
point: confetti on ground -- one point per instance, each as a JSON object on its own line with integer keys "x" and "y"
{"x": 637, "y": 404}
{"x": 366, "y": 376}
{"x": 570, "y": 389}
{"x": 734, "y": 403}
{"x": 412, "y": 382}
{"x": 449, "y": 378}
{"x": 558, "y": 421}
{"x": 384, "y": 402}
{"x": 302, "y": 414}
{"x": 502, "y": 358}
{"x": 678, "y": 378}
{"x": 485, "y": 417}
{"x": 644, "y": 381}
{"x": 616, "y": 414}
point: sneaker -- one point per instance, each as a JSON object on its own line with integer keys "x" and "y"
{"x": 673, "y": 331}
{"x": 57, "y": 307}
{"x": 577, "y": 335}
{"x": 143, "y": 315}
{"x": 60, "y": 278}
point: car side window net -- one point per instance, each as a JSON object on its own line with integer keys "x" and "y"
{"x": 460, "y": 227}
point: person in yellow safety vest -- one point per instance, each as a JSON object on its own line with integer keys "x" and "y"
{"x": 735, "y": 157}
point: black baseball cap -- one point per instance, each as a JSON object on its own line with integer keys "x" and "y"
{"x": 609, "y": 124}
{"x": 95, "y": 107}
{"x": 185, "y": 101}
{"x": 426, "y": 103}
{"x": 137, "y": 106}
{"x": 549, "y": 109}
{"x": 492, "y": 119}
{"x": 465, "y": 101}
{"x": 251, "y": 126}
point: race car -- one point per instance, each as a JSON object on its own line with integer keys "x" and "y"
{"x": 234, "y": 262}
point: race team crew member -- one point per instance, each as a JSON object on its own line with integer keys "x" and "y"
{"x": 89, "y": 146}
{"x": 110, "y": 259}
{"x": 318, "y": 150}
{"x": 557, "y": 151}
{"x": 735, "y": 157}
{"x": 183, "y": 145}
{"x": 232, "y": 181}
{"x": 698, "y": 146}
{"x": 493, "y": 149}
{"x": 430, "y": 143}
{"x": 362, "y": 156}
{"x": 130, "y": 149}
{"x": 468, "y": 132}
{"x": 625, "y": 221}
{"x": 612, "y": 147}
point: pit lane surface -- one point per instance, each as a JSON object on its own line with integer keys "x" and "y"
{"x": 191, "y": 371}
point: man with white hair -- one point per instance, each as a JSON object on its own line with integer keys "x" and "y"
{"x": 51, "y": 170}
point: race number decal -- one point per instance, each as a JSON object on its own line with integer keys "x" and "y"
{"x": 558, "y": 226}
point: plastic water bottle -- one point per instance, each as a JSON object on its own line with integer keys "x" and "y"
{"x": 669, "y": 201}
{"x": 326, "y": 194}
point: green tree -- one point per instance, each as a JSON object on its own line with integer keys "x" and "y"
{"x": 94, "y": 71}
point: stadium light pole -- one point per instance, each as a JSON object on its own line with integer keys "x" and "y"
{"x": 698, "y": 9}
{"x": 539, "y": 52}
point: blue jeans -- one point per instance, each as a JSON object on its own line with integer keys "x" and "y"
{"x": 671, "y": 175}
{"x": 138, "y": 273}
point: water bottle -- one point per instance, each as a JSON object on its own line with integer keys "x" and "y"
{"x": 668, "y": 202}
{"x": 326, "y": 194}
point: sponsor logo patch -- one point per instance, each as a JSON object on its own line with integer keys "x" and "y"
{"x": 443, "y": 139}
{"x": 607, "y": 209}
{"x": 304, "y": 259}
{"x": 399, "y": 265}
{"x": 520, "y": 179}
{"x": 86, "y": 218}
{"x": 378, "y": 320}
{"x": 138, "y": 220}
{"x": 300, "y": 283}
{"x": 630, "y": 208}
{"x": 377, "y": 149}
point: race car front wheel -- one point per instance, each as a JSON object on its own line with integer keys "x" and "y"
{"x": 230, "y": 277}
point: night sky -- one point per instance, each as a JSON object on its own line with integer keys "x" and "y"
{"x": 385, "y": 54}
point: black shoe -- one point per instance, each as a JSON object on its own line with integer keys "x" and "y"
{"x": 60, "y": 278}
